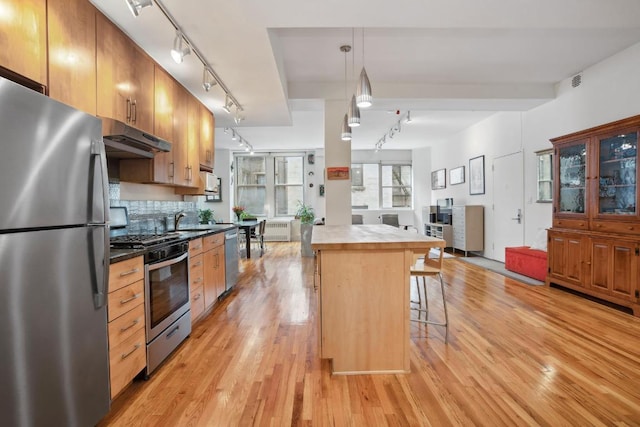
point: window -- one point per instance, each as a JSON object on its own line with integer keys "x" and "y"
{"x": 288, "y": 180}
{"x": 545, "y": 176}
{"x": 380, "y": 186}
{"x": 270, "y": 185}
{"x": 396, "y": 186}
{"x": 252, "y": 185}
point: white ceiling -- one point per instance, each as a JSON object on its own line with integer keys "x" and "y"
{"x": 452, "y": 63}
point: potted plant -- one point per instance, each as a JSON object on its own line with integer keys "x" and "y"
{"x": 205, "y": 215}
{"x": 306, "y": 215}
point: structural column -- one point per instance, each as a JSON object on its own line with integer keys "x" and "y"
{"x": 337, "y": 154}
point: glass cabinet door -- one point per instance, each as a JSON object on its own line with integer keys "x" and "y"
{"x": 572, "y": 161}
{"x": 617, "y": 174}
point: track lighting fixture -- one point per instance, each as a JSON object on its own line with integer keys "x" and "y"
{"x": 207, "y": 79}
{"x": 393, "y": 131}
{"x": 135, "y": 6}
{"x": 180, "y": 48}
{"x": 228, "y": 103}
{"x": 235, "y": 136}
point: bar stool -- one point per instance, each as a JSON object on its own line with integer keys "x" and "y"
{"x": 421, "y": 270}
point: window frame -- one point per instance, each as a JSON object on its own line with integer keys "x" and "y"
{"x": 380, "y": 165}
{"x": 269, "y": 208}
{"x": 539, "y": 154}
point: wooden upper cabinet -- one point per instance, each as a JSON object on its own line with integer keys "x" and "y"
{"x": 207, "y": 145}
{"x": 72, "y": 53}
{"x": 193, "y": 141}
{"x": 23, "y": 38}
{"x": 125, "y": 78}
{"x": 165, "y": 104}
{"x": 143, "y": 90}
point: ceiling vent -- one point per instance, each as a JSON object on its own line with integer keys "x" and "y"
{"x": 576, "y": 80}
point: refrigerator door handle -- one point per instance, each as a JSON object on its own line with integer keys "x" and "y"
{"x": 98, "y": 157}
{"x": 100, "y": 259}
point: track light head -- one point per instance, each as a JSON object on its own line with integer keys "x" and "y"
{"x": 207, "y": 79}
{"x": 228, "y": 103}
{"x": 135, "y": 6}
{"x": 233, "y": 135}
{"x": 180, "y": 48}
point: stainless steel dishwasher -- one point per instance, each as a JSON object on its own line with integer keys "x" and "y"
{"x": 231, "y": 258}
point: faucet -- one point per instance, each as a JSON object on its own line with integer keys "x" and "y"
{"x": 177, "y": 219}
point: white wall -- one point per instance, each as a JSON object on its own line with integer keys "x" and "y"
{"x": 222, "y": 169}
{"x": 609, "y": 91}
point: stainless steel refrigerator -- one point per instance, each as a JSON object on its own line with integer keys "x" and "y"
{"x": 54, "y": 263}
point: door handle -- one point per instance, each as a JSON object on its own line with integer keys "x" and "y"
{"x": 518, "y": 217}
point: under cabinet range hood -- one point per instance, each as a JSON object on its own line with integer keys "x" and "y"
{"x": 125, "y": 142}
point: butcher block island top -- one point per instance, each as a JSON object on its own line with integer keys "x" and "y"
{"x": 362, "y": 274}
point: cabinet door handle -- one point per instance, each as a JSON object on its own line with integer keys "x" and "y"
{"x": 198, "y": 280}
{"x": 128, "y": 109}
{"x": 124, "y": 301}
{"x": 135, "y": 347}
{"x": 197, "y": 297}
{"x": 127, "y": 273}
{"x": 197, "y": 264}
{"x": 134, "y": 323}
{"x": 173, "y": 167}
{"x": 134, "y": 111}
{"x": 186, "y": 173}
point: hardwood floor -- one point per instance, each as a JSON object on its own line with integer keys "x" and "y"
{"x": 517, "y": 355}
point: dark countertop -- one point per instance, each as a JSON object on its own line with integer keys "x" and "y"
{"x": 186, "y": 233}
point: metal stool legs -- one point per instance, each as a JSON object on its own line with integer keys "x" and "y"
{"x": 425, "y": 310}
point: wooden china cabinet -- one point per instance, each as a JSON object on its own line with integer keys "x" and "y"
{"x": 594, "y": 243}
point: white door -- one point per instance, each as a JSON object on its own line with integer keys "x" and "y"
{"x": 508, "y": 201}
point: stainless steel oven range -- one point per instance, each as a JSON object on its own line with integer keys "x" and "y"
{"x": 167, "y": 306}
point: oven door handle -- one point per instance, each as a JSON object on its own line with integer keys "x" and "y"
{"x": 168, "y": 262}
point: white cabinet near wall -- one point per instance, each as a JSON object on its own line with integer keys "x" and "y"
{"x": 468, "y": 228}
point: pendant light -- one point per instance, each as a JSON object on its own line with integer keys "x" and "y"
{"x": 346, "y": 129}
{"x": 354, "y": 111}
{"x": 364, "y": 96}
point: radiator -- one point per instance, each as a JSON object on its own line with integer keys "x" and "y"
{"x": 277, "y": 231}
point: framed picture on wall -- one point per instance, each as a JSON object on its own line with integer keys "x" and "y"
{"x": 456, "y": 175}
{"x": 476, "y": 175}
{"x": 439, "y": 179}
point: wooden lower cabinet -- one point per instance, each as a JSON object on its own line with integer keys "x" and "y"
{"x": 214, "y": 279}
{"x": 600, "y": 265}
{"x": 614, "y": 268}
{"x": 127, "y": 355}
{"x": 196, "y": 280}
{"x": 567, "y": 257}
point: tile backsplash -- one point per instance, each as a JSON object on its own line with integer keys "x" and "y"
{"x": 151, "y": 216}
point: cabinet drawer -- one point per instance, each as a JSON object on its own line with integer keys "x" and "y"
{"x": 197, "y": 302}
{"x": 196, "y": 271}
{"x": 126, "y": 360}
{"x": 213, "y": 240}
{"x": 125, "y": 326}
{"x": 616, "y": 227}
{"x": 576, "y": 224}
{"x": 125, "y": 299}
{"x": 124, "y": 273}
{"x": 195, "y": 247}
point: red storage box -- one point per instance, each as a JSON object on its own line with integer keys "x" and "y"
{"x": 526, "y": 261}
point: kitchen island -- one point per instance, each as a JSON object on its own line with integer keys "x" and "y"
{"x": 362, "y": 274}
